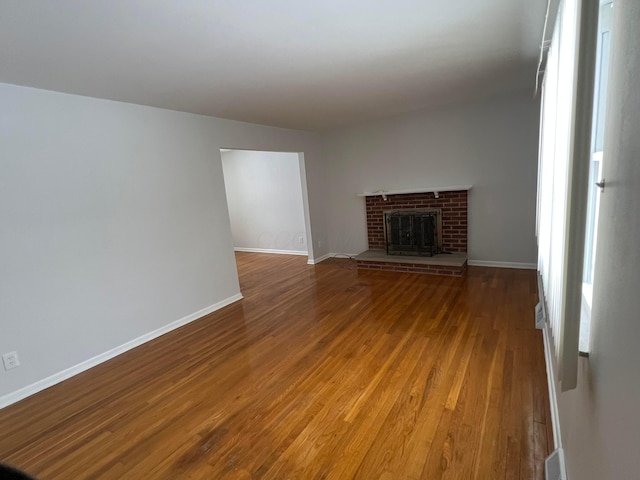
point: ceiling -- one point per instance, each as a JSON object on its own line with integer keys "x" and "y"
{"x": 312, "y": 64}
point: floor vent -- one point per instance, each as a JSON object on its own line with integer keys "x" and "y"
{"x": 554, "y": 468}
{"x": 540, "y": 317}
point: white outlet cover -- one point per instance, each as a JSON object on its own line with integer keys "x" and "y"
{"x": 10, "y": 360}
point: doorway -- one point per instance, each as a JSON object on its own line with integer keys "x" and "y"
{"x": 267, "y": 200}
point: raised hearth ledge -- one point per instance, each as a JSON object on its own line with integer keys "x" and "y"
{"x": 443, "y": 259}
{"x": 415, "y": 190}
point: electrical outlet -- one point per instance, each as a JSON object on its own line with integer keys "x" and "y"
{"x": 300, "y": 239}
{"x": 10, "y": 360}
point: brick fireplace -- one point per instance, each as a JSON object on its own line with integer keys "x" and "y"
{"x": 452, "y": 203}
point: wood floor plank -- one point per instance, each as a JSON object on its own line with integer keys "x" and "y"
{"x": 319, "y": 372}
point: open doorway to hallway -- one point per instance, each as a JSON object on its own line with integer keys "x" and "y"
{"x": 266, "y": 197}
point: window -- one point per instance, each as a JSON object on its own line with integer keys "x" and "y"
{"x": 595, "y": 171}
{"x": 563, "y": 179}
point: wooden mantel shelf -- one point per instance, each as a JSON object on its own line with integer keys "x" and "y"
{"x": 435, "y": 190}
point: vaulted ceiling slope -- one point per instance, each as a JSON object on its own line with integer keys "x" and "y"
{"x": 311, "y": 64}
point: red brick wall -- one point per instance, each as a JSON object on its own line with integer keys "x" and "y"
{"x": 454, "y": 216}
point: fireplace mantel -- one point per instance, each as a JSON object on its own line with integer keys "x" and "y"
{"x": 384, "y": 193}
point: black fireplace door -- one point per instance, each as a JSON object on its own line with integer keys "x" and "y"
{"x": 411, "y": 233}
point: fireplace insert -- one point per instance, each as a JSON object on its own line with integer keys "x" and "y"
{"x": 415, "y": 232}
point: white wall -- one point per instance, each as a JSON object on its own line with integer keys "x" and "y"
{"x": 600, "y": 420}
{"x": 114, "y": 220}
{"x": 492, "y": 145}
{"x": 114, "y": 223}
{"x": 264, "y": 195}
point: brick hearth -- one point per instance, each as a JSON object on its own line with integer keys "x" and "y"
{"x": 449, "y": 270}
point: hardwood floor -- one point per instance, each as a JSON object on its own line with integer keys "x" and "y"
{"x": 320, "y": 372}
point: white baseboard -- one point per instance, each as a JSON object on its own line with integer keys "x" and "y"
{"x": 488, "y": 263}
{"x": 40, "y": 385}
{"x": 315, "y": 261}
{"x": 548, "y": 361}
{"x": 268, "y": 250}
{"x": 551, "y": 380}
